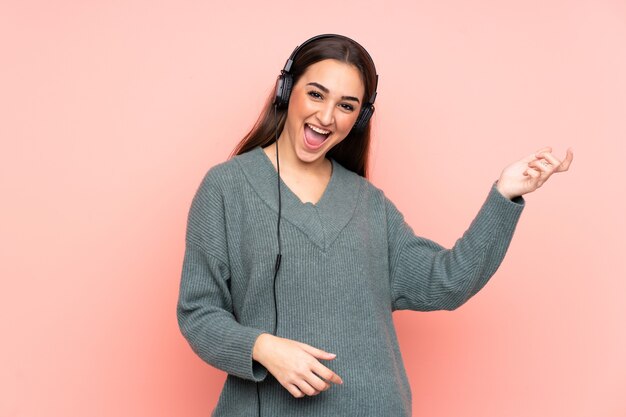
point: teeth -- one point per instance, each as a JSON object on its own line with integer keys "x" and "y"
{"x": 318, "y": 130}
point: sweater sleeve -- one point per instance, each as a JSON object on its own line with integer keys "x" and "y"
{"x": 205, "y": 311}
{"x": 425, "y": 276}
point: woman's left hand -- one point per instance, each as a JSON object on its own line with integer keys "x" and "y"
{"x": 531, "y": 172}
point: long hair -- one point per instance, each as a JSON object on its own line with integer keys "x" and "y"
{"x": 353, "y": 151}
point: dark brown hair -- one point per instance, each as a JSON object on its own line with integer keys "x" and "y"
{"x": 352, "y": 152}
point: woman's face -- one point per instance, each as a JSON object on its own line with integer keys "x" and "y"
{"x": 324, "y": 104}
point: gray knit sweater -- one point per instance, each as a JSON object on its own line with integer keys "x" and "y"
{"x": 348, "y": 262}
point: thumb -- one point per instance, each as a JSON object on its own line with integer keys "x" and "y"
{"x": 318, "y": 353}
{"x": 533, "y": 156}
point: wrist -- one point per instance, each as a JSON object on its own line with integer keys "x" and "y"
{"x": 502, "y": 192}
{"x": 258, "y": 347}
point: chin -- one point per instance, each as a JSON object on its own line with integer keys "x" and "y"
{"x": 310, "y": 157}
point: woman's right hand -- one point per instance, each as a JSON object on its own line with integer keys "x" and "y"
{"x": 295, "y": 365}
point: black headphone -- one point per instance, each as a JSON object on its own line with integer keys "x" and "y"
{"x": 284, "y": 85}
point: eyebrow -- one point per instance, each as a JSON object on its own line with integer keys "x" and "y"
{"x": 326, "y": 90}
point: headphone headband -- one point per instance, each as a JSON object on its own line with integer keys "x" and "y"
{"x": 285, "y": 81}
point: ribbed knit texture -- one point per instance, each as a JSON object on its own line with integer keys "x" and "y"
{"x": 348, "y": 262}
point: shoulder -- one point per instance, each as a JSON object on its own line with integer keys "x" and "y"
{"x": 224, "y": 170}
{"x": 369, "y": 195}
{"x": 223, "y": 176}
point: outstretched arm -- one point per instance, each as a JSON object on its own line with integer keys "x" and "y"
{"x": 427, "y": 276}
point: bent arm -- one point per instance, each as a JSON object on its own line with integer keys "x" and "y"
{"x": 205, "y": 310}
{"x": 426, "y": 276}
{"x": 206, "y": 320}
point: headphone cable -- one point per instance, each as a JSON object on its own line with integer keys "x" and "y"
{"x": 279, "y": 255}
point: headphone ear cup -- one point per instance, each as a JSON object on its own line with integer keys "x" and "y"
{"x": 364, "y": 117}
{"x": 283, "y": 90}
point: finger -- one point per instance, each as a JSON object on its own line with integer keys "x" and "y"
{"x": 543, "y": 166}
{"x": 318, "y": 353}
{"x": 534, "y": 155}
{"x": 550, "y": 158}
{"x": 327, "y": 374}
{"x": 532, "y": 172}
{"x": 318, "y": 383}
{"x": 294, "y": 390}
{"x": 535, "y": 179}
{"x": 306, "y": 388}
{"x": 567, "y": 161}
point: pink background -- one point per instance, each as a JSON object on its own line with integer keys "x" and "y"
{"x": 113, "y": 111}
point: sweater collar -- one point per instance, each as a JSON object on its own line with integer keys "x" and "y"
{"x": 321, "y": 222}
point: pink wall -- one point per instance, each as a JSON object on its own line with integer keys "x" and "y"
{"x": 113, "y": 111}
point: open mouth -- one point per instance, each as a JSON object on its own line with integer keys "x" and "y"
{"x": 315, "y": 136}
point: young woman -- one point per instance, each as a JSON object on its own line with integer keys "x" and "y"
{"x": 291, "y": 253}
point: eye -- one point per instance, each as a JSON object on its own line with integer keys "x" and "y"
{"x": 347, "y": 107}
{"x": 315, "y": 94}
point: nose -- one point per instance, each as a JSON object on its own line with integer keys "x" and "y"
{"x": 326, "y": 113}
